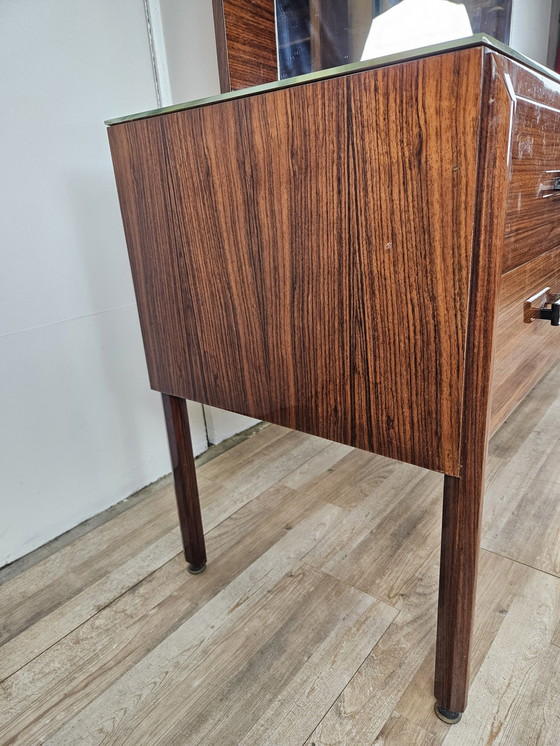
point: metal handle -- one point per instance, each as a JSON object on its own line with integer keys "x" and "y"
{"x": 543, "y": 305}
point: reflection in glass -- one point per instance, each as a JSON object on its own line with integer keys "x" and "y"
{"x": 318, "y": 34}
{"x": 313, "y": 34}
{"x": 294, "y": 37}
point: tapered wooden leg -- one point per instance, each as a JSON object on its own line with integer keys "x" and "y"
{"x": 463, "y": 495}
{"x": 186, "y": 488}
{"x": 462, "y": 509}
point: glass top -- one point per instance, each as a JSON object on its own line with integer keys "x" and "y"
{"x": 471, "y": 41}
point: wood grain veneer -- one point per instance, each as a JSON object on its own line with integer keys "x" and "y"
{"x": 463, "y": 495}
{"x": 184, "y": 476}
{"x": 524, "y": 352}
{"x": 533, "y": 219}
{"x": 221, "y": 45}
{"x": 531, "y": 249}
{"x": 246, "y": 42}
{"x": 322, "y": 236}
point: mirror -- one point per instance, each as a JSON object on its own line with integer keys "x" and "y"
{"x": 318, "y": 34}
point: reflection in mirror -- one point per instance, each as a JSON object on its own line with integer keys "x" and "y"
{"x": 314, "y": 34}
{"x": 317, "y": 34}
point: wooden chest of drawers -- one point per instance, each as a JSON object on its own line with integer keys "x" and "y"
{"x": 531, "y": 248}
{"x": 357, "y": 254}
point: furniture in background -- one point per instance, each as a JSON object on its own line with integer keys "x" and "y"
{"x": 312, "y": 34}
{"x": 245, "y": 42}
{"x": 337, "y": 256}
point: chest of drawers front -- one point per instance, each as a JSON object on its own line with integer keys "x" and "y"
{"x": 526, "y": 348}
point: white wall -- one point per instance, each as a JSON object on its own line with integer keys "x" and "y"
{"x": 192, "y": 67}
{"x": 79, "y": 427}
{"x": 530, "y": 27}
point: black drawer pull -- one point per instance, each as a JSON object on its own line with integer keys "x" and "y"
{"x": 551, "y": 314}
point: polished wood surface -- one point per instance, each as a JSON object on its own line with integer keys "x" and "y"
{"x": 221, "y": 45}
{"x": 328, "y": 256}
{"x": 184, "y": 477}
{"x": 245, "y": 42}
{"x": 322, "y": 235}
{"x": 533, "y": 221}
{"x": 463, "y": 495}
{"x": 524, "y": 351}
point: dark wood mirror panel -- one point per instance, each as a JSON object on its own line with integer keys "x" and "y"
{"x": 246, "y": 42}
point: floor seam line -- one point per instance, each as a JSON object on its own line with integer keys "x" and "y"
{"x": 519, "y": 562}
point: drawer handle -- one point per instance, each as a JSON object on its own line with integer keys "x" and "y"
{"x": 551, "y": 314}
{"x": 543, "y": 305}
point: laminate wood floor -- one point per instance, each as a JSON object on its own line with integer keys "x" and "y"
{"x": 314, "y": 624}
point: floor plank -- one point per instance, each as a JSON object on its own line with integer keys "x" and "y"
{"x": 234, "y": 484}
{"x": 525, "y": 419}
{"x": 355, "y": 476}
{"x": 87, "y": 661}
{"x": 522, "y": 505}
{"x": 47, "y": 585}
{"x": 371, "y": 696}
{"x": 506, "y": 698}
{"x": 137, "y": 542}
{"x": 382, "y": 545}
{"x": 187, "y": 658}
{"x": 399, "y": 731}
{"x": 498, "y": 584}
{"x": 315, "y": 621}
{"x": 325, "y": 672}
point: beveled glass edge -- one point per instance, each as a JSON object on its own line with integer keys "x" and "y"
{"x": 333, "y": 72}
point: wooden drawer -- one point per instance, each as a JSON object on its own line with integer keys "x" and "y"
{"x": 533, "y": 210}
{"x": 524, "y": 351}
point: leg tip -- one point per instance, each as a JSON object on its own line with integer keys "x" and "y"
{"x": 448, "y": 716}
{"x": 196, "y": 569}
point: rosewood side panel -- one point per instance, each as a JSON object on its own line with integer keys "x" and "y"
{"x": 303, "y": 256}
